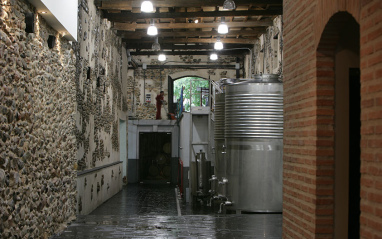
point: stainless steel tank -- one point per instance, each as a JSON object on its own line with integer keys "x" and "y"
{"x": 220, "y": 162}
{"x": 254, "y": 141}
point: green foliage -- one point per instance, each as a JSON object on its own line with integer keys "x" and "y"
{"x": 195, "y": 86}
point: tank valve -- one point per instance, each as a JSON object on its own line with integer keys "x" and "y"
{"x": 211, "y": 199}
{"x": 226, "y": 203}
{"x": 224, "y": 149}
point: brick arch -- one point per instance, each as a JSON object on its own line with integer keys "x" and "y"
{"x": 326, "y": 9}
{"x": 325, "y": 143}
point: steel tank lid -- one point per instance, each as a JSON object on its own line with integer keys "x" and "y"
{"x": 264, "y": 78}
{"x": 227, "y": 81}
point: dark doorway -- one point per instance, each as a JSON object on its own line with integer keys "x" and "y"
{"x": 354, "y": 152}
{"x": 346, "y": 59}
{"x": 155, "y": 157}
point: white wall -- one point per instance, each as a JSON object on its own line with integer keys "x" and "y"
{"x": 122, "y": 146}
{"x": 65, "y": 12}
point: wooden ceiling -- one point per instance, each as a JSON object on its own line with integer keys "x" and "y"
{"x": 178, "y": 34}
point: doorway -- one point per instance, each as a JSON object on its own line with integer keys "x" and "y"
{"x": 338, "y": 80}
{"x": 123, "y": 148}
{"x": 339, "y": 58}
{"x": 354, "y": 152}
{"x": 155, "y": 157}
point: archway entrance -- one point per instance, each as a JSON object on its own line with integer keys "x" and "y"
{"x": 195, "y": 91}
{"x": 338, "y": 62}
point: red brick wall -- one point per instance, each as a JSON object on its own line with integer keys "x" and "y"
{"x": 309, "y": 116}
{"x": 371, "y": 119}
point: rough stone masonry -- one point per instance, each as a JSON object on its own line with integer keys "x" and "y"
{"x": 37, "y": 143}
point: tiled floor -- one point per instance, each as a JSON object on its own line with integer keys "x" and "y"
{"x": 150, "y": 211}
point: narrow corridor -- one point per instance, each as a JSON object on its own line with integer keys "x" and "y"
{"x": 150, "y": 211}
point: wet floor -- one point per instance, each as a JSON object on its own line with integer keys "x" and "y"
{"x": 150, "y": 211}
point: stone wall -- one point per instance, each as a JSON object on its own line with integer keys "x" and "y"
{"x": 267, "y": 51}
{"x": 152, "y": 81}
{"x": 101, "y": 103}
{"x": 37, "y": 121}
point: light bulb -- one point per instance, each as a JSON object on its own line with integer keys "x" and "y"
{"x": 218, "y": 45}
{"x": 223, "y": 28}
{"x": 152, "y": 30}
{"x": 213, "y": 56}
{"x": 147, "y": 6}
{"x": 161, "y": 57}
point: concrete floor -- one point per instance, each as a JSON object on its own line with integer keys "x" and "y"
{"x": 150, "y": 211}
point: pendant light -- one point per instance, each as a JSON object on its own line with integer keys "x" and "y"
{"x": 161, "y": 57}
{"x": 229, "y": 5}
{"x": 213, "y": 56}
{"x": 156, "y": 45}
{"x": 218, "y": 44}
{"x": 147, "y": 6}
{"x": 152, "y": 30}
{"x": 223, "y": 28}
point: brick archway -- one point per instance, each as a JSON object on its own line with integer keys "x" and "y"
{"x": 310, "y": 43}
{"x": 341, "y": 33}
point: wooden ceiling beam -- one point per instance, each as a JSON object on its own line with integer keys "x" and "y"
{"x": 132, "y": 17}
{"x": 134, "y": 26}
{"x": 183, "y": 53}
{"x": 210, "y": 65}
{"x": 143, "y": 34}
{"x": 128, "y": 5}
{"x": 195, "y": 40}
{"x": 170, "y": 46}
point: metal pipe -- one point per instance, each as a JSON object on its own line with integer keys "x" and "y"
{"x": 144, "y": 85}
{"x": 133, "y": 103}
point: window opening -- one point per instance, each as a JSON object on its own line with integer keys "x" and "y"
{"x": 195, "y": 92}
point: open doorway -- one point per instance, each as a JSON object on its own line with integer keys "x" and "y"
{"x": 195, "y": 91}
{"x": 155, "y": 157}
{"x": 347, "y": 131}
{"x": 338, "y": 72}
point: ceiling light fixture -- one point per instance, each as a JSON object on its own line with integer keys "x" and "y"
{"x": 152, "y": 30}
{"x": 196, "y": 21}
{"x": 223, "y": 28}
{"x": 147, "y": 6}
{"x": 229, "y": 5}
{"x": 213, "y": 56}
{"x": 161, "y": 57}
{"x": 218, "y": 44}
{"x": 156, "y": 45}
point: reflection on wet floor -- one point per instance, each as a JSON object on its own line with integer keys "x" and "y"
{"x": 150, "y": 211}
